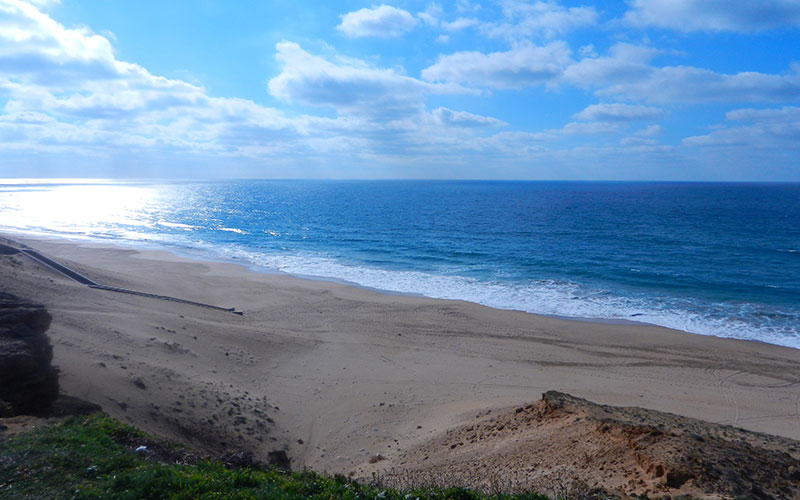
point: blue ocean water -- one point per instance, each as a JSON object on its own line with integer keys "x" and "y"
{"x": 708, "y": 258}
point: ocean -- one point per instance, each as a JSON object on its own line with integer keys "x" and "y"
{"x": 709, "y": 258}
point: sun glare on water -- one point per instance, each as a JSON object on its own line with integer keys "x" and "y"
{"x": 74, "y": 208}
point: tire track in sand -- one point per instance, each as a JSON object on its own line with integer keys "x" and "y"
{"x": 723, "y": 382}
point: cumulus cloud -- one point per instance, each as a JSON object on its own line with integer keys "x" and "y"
{"x": 627, "y": 73}
{"x": 785, "y": 114}
{"x": 522, "y": 19}
{"x": 65, "y": 89}
{"x": 651, "y": 131}
{"x": 715, "y": 15}
{"x": 383, "y": 22}
{"x": 40, "y": 51}
{"x": 467, "y": 6}
{"x": 43, "y": 4}
{"x": 461, "y": 23}
{"x": 589, "y": 128}
{"x": 686, "y": 84}
{"x": 66, "y": 93}
{"x": 351, "y": 87}
{"x": 624, "y": 63}
{"x": 774, "y": 129}
{"x": 619, "y": 112}
{"x": 522, "y": 66}
{"x": 73, "y": 69}
{"x": 432, "y": 14}
{"x": 637, "y": 141}
{"x": 463, "y": 119}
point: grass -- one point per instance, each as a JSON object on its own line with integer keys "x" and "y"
{"x": 94, "y": 458}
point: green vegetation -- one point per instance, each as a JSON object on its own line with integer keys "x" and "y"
{"x": 94, "y": 458}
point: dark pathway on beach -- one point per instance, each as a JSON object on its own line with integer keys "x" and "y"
{"x": 70, "y": 273}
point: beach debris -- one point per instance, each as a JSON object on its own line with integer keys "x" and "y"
{"x": 141, "y": 449}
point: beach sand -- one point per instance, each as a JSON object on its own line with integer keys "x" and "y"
{"x": 336, "y": 374}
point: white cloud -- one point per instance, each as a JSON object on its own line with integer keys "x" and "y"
{"x": 107, "y": 108}
{"x": 460, "y": 24}
{"x": 44, "y": 4}
{"x": 66, "y": 91}
{"x": 637, "y": 141}
{"x": 715, "y": 15}
{"x": 519, "y": 67}
{"x": 382, "y": 22}
{"x": 651, "y": 131}
{"x": 464, "y": 119}
{"x": 351, "y": 88}
{"x": 627, "y": 73}
{"x": 467, "y": 6}
{"x": 33, "y": 43}
{"x": 514, "y": 144}
{"x": 587, "y": 51}
{"x": 785, "y": 114}
{"x": 770, "y": 129}
{"x": 523, "y": 19}
{"x": 66, "y": 94}
{"x": 590, "y": 128}
{"x": 432, "y": 14}
{"x": 619, "y": 112}
{"x": 624, "y": 63}
{"x": 688, "y": 84}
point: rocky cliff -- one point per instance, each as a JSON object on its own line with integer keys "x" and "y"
{"x": 28, "y": 381}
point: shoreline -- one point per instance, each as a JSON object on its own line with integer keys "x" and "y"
{"x": 335, "y": 374}
{"x": 193, "y": 253}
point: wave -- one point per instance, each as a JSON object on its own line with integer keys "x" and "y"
{"x": 547, "y": 297}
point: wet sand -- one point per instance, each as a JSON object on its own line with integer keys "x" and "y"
{"x": 335, "y": 374}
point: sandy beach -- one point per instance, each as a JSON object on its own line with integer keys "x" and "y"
{"x": 336, "y": 374}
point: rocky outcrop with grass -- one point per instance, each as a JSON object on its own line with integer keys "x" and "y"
{"x": 28, "y": 381}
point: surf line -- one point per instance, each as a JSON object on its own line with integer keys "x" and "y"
{"x": 48, "y": 262}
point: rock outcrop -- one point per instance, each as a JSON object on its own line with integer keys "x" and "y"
{"x": 570, "y": 447}
{"x": 28, "y": 381}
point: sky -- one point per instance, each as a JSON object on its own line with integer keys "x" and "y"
{"x": 699, "y": 90}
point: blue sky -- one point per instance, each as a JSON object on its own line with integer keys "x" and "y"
{"x": 505, "y": 89}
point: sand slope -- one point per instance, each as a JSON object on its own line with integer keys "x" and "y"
{"x": 335, "y": 374}
{"x": 561, "y": 444}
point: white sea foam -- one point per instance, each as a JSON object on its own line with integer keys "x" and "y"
{"x": 548, "y": 297}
